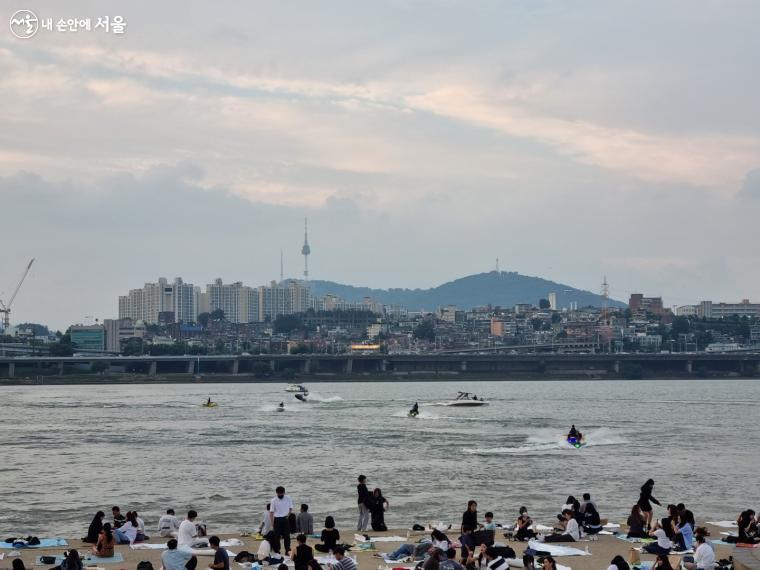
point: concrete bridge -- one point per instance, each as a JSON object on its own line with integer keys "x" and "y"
{"x": 475, "y": 365}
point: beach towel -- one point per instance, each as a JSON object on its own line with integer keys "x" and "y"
{"x": 724, "y": 524}
{"x": 634, "y": 539}
{"x": 722, "y": 542}
{"x": 360, "y": 538}
{"x": 44, "y": 543}
{"x": 327, "y": 560}
{"x": 729, "y": 534}
{"x": 611, "y": 526}
{"x": 556, "y": 550}
{"x": 89, "y": 560}
{"x": 542, "y": 528}
{"x": 148, "y": 546}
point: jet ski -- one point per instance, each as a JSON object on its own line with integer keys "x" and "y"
{"x": 413, "y": 413}
{"x": 304, "y": 397}
{"x": 281, "y": 407}
{"x": 211, "y": 405}
{"x": 576, "y": 441}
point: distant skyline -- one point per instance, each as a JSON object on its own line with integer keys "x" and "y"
{"x": 421, "y": 139}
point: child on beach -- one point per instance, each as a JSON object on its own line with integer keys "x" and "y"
{"x": 489, "y": 524}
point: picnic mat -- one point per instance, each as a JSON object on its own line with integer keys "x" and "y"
{"x": 44, "y": 543}
{"x": 89, "y": 560}
{"x": 556, "y": 550}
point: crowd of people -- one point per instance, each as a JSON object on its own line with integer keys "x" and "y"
{"x": 675, "y": 533}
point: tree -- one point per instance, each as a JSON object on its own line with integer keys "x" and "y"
{"x": 217, "y": 315}
{"x": 219, "y": 346}
{"x": 680, "y": 325}
{"x": 285, "y": 324}
{"x": 425, "y": 330}
{"x": 544, "y": 304}
{"x": 133, "y": 347}
{"x": 203, "y": 319}
{"x": 63, "y": 347}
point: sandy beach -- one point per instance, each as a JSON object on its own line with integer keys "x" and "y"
{"x": 601, "y": 550}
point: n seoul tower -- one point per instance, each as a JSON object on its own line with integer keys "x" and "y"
{"x": 305, "y": 250}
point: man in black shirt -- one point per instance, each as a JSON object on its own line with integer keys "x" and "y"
{"x": 363, "y": 492}
{"x": 221, "y": 558}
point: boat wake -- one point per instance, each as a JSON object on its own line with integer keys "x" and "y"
{"x": 423, "y": 415}
{"x": 549, "y": 441}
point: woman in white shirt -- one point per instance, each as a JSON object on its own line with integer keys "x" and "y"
{"x": 265, "y": 553}
{"x": 127, "y": 533}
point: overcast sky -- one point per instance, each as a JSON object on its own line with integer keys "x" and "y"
{"x": 570, "y": 139}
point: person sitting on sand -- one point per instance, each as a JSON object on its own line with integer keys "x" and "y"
{"x": 221, "y": 558}
{"x": 662, "y": 562}
{"x": 636, "y": 523}
{"x": 489, "y": 524}
{"x": 118, "y": 518}
{"x": 127, "y": 533}
{"x": 342, "y": 562}
{"x": 106, "y": 541}
{"x": 174, "y": 558}
{"x": 266, "y": 522}
{"x": 449, "y": 561}
{"x": 592, "y": 522}
{"x": 494, "y": 561}
{"x": 663, "y": 544}
{"x": 93, "y": 532}
{"x": 168, "y": 524}
{"x": 523, "y": 524}
{"x": 571, "y": 532}
{"x": 670, "y": 522}
{"x": 141, "y": 536}
{"x": 618, "y": 563}
{"x": 18, "y": 564}
{"x": 548, "y": 563}
{"x": 187, "y": 531}
{"x": 71, "y": 561}
{"x": 704, "y": 556}
{"x": 266, "y": 551}
{"x": 329, "y": 537}
{"x": 304, "y": 520}
{"x": 684, "y": 536}
{"x": 302, "y": 554}
{"x": 377, "y": 505}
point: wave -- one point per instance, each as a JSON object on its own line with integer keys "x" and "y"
{"x": 423, "y": 415}
{"x": 549, "y": 441}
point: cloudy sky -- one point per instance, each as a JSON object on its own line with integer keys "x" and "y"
{"x": 570, "y": 139}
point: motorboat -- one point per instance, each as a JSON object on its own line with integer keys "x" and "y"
{"x": 297, "y": 388}
{"x": 465, "y": 399}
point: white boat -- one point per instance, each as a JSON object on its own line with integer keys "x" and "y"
{"x": 297, "y": 388}
{"x": 465, "y": 399}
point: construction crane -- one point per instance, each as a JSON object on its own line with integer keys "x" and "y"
{"x": 5, "y": 308}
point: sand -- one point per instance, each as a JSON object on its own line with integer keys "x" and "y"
{"x": 602, "y": 551}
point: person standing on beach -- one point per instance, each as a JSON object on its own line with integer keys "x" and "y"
{"x": 470, "y": 516}
{"x": 645, "y": 502}
{"x": 363, "y": 492}
{"x": 281, "y": 506}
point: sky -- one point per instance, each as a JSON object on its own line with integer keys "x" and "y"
{"x": 422, "y": 139}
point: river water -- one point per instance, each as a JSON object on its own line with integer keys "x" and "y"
{"x": 67, "y": 451}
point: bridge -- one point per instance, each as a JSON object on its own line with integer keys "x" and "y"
{"x": 680, "y": 365}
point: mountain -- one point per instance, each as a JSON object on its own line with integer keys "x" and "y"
{"x": 496, "y": 288}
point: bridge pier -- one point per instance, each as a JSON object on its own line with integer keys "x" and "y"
{"x": 349, "y": 368}
{"x": 616, "y": 366}
{"x": 384, "y": 365}
{"x": 60, "y": 368}
{"x": 235, "y": 367}
{"x": 689, "y": 366}
{"x": 306, "y": 366}
{"x": 463, "y": 366}
{"x": 273, "y": 365}
{"x": 152, "y": 368}
{"x": 11, "y": 370}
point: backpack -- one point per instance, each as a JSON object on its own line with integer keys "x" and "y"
{"x": 245, "y": 556}
{"x": 144, "y": 565}
{"x": 200, "y": 529}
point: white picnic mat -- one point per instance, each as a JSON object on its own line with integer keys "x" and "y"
{"x": 360, "y": 538}
{"x": 724, "y": 524}
{"x": 556, "y": 550}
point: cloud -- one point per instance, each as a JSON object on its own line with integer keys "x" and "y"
{"x": 750, "y": 189}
